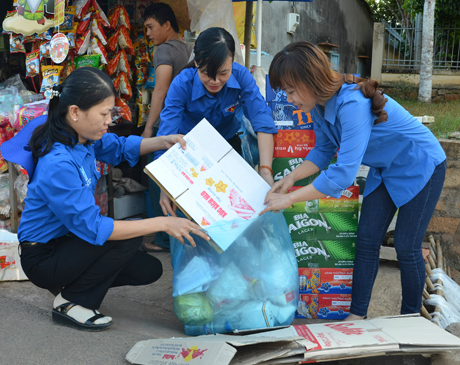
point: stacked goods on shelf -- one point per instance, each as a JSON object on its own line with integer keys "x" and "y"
{"x": 323, "y": 231}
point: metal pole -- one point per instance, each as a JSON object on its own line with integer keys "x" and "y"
{"x": 13, "y": 197}
{"x": 259, "y": 33}
{"x": 247, "y": 34}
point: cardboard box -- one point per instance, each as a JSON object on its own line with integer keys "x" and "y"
{"x": 348, "y": 202}
{"x": 286, "y": 116}
{"x": 284, "y": 166}
{"x": 10, "y": 262}
{"x": 325, "y": 281}
{"x": 294, "y": 143}
{"x": 301, "y": 343}
{"x": 322, "y": 226}
{"x": 323, "y": 306}
{"x": 129, "y": 205}
{"x": 325, "y": 253}
{"x": 210, "y": 182}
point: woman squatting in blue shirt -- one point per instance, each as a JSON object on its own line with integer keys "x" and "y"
{"x": 212, "y": 87}
{"x": 407, "y": 165}
{"x": 67, "y": 246}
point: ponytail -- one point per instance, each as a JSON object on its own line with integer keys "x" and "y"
{"x": 85, "y": 87}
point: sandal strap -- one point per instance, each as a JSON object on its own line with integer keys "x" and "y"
{"x": 94, "y": 318}
{"x": 65, "y": 307}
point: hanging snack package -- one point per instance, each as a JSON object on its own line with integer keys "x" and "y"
{"x": 71, "y": 37}
{"x": 26, "y": 113}
{"x": 150, "y": 84}
{"x": 113, "y": 41}
{"x": 124, "y": 18}
{"x": 81, "y": 8}
{"x": 144, "y": 111}
{"x": 124, "y": 40}
{"x": 114, "y": 14}
{"x": 123, "y": 65}
{"x": 100, "y": 16}
{"x": 125, "y": 87}
{"x": 87, "y": 61}
{"x": 116, "y": 82}
{"x": 17, "y": 43}
{"x": 84, "y": 24}
{"x": 82, "y": 43}
{"x": 68, "y": 66}
{"x": 142, "y": 55}
{"x": 141, "y": 74}
{"x": 45, "y": 49}
{"x": 123, "y": 109}
{"x": 50, "y": 76}
{"x": 97, "y": 30}
{"x": 69, "y": 18}
{"x": 112, "y": 65}
{"x": 99, "y": 49}
{"x": 33, "y": 63}
{"x": 29, "y": 39}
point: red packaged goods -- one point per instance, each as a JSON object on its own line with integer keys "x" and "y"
{"x": 82, "y": 7}
{"x": 113, "y": 41}
{"x": 125, "y": 87}
{"x": 113, "y": 64}
{"x": 124, "y": 40}
{"x": 123, "y": 65}
{"x": 116, "y": 82}
{"x": 114, "y": 14}
{"x": 26, "y": 113}
{"x": 294, "y": 143}
{"x": 98, "y": 48}
{"x": 82, "y": 43}
{"x": 100, "y": 16}
{"x": 97, "y": 30}
{"x": 84, "y": 24}
{"x": 123, "y": 109}
{"x": 124, "y": 18}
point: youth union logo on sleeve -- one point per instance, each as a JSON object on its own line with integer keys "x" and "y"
{"x": 87, "y": 180}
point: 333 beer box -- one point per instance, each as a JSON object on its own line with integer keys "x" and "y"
{"x": 322, "y": 226}
{"x": 325, "y": 253}
{"x": 323, "y": 306}
{"x": 325, "y": 281}
{"x": 294, "y": 143}
{"x": 348, "y": 202}
{"x": 284, "y": 166}
{"x": 286, "y": 116}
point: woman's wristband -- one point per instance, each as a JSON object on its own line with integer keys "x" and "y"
{"x": 266, "y": 167}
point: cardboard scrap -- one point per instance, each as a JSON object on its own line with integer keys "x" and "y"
{"x": 302, "y": 343}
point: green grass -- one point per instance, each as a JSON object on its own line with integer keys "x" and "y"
{"x": 446, "y": 115}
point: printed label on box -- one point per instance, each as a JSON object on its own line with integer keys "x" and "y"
{"x": 348, "y": 202}
{"x": 322, "y": 226}
{"x": 325, "y": 281}
{"x": 294, "y": 143}
{"x": 323, "y": 306}
{"x": 284, "y": 166}
{"x": 325, "y": 253}
{"x": 287, "y": 116}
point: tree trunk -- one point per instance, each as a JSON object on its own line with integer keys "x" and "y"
{"x": 426, "y": 68}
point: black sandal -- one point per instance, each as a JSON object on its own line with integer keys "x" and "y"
{"x": 61, "y": 317}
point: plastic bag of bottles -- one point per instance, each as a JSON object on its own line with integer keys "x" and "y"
{"x": 253, "y": 284}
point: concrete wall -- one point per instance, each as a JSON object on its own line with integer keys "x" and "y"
{"x": 445, "y": 223}
{"x": 346, "y": 23}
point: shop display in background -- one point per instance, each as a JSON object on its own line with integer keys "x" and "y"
{"x": 10, "y": 262}
{"x": 323, "y": 231}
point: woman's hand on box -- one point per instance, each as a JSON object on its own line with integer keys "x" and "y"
{"x": 281, "y": 186}
{"x": 172, "y": 139}
{"x": 167, "y": 206}
{"x": 277, "y": 201}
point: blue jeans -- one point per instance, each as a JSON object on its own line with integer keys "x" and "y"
{"x": 377, "y": 213}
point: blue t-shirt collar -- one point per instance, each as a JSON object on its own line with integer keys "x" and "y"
{"x": 199, "y": 90}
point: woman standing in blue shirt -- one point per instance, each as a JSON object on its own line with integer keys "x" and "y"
{"x": 67, "y": 246}
{"x": 407, "y": 165}
{"x": 212, "y": 88}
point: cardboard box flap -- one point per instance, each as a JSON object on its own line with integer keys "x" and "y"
{"x": 159, "y": 172}
{"x": 412, "y": 331}
{"x": 211, "y": 140}
{"x": 181, "y": 351}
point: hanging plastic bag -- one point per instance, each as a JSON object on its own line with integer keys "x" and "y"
{"x": 249, "y": 143}
{"x": 253, "y": 284}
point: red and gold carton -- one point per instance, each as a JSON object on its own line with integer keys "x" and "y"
{"x": 325, "y": 280}
{"x": 323, "y": 306}
{"x": 294, "y": 143}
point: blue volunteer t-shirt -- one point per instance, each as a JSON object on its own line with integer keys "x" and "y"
{"x": 400, "y": 152}
{"x": 60, "y": 197}
{"x": 188, "y": 102}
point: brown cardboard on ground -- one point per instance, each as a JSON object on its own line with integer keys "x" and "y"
{"x": 316, "y": 343}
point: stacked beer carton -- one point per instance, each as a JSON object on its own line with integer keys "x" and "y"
{"x": 323, "y": 231}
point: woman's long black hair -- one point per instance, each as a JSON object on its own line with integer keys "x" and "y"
{"x": 212, "y": 48}
{"x": 85, "y": 87}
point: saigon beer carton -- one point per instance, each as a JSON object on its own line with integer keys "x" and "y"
{"x": 325, "y": 281}
{"x": 284, "y": 166}
{"x": 325, "y": 253}
{"x": 323, "y": 306}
